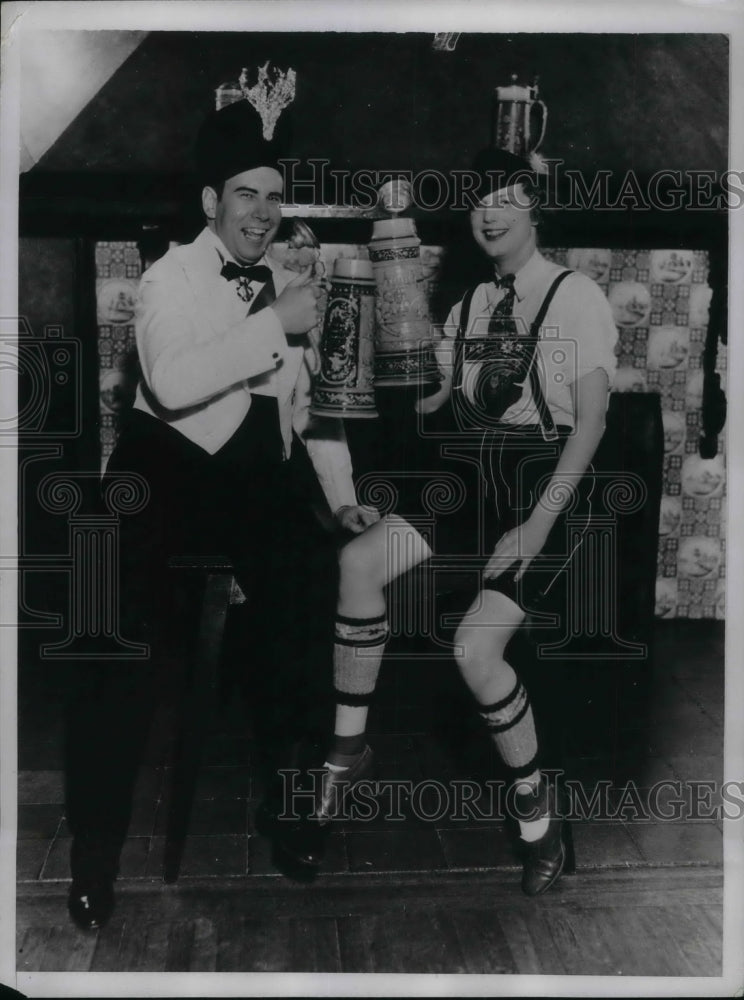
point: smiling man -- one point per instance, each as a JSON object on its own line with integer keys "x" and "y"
{"x": 220, "y": 432}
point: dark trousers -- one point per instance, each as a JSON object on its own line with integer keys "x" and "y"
{"x": 245, "y": 503}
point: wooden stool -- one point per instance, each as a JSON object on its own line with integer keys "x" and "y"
{"x": 200, "y": 700}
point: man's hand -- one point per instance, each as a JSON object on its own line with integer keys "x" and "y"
{"x": 297, "y": 305}
{"x": 356, "y": 519}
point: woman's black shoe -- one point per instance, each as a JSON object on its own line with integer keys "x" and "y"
{"x": 299, "y": 848}
{"x": 544, "y": 860}
{"x": 91, "y": 905}
{"x": 303, "y": 844}
{"x": 336, "y": 785}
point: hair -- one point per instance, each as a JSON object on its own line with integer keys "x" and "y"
{"x": 537, "y": 199}
{"x": 217, "y": 185}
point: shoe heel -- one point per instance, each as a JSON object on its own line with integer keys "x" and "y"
{"x": 569, "y": 865}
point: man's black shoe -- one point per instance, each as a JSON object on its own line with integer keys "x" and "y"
{"x": 91, "y": 905}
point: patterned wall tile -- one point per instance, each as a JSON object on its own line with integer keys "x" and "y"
{"x": 118, "y": 270}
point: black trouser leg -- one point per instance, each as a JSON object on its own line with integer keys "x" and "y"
{"x": 110, "y": 708}
{"x": 107, "y": 725}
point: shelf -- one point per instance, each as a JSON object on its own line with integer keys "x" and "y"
{"x": 130, "y": 206}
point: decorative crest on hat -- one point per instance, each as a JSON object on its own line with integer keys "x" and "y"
{"x": 269, "y": 96}
{"x": 445, "y": 41}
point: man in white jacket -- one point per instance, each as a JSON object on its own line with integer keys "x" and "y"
{"x": 221, "y": 433}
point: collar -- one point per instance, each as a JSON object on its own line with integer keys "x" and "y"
{"x": 528, "y": 273}
{"x": 224, "y": 254}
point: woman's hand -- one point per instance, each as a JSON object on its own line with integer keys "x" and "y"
{"x": 430, "y": 404}
{"x": 520, "y": 544}
{"x": 356, "y": 519}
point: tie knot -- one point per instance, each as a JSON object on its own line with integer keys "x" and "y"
{"x": 506, "y": 281}
{"x": 254, "y": 272}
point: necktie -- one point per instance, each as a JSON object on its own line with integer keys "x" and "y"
{"x": 244, "y": 275}
{"x": 497, "y": 383}
{"x": 501, "y": 321}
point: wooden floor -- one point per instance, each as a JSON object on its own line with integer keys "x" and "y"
{"x": 403, "y": 896}
{"x": 654, "y": 922}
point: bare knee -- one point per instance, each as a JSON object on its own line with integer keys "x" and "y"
{"x": 480, "y": 644}
{"x": 362, "y": 565}
{"x": 479, "y": 654}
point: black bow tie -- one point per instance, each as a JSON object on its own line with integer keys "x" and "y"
{"x": 255, "y": 272}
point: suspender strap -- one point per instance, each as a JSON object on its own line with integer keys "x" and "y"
{"x": 460, "y": 336}
{"x": 546, "y": 417}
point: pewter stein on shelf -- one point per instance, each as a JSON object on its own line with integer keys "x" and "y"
{"x": 344, "y": 386}
{"x": 404, "y": 355}
{"x": 515, "y": 111}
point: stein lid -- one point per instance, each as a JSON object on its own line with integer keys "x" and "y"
{"x": 392, "y": 229}
{"x": 345, "y": 267}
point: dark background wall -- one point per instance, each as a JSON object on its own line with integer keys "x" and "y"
{"x": 387, "y": 101}
{"x": 364, "y": 101}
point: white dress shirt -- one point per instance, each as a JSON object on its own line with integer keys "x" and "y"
{"x": 202, "y": 356}
{"x": 577, "y": 335}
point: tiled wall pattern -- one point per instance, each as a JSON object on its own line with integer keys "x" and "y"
{"x": 118, "y": 269}
{"x": 660, "y": 302}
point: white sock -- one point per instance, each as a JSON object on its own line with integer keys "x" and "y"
{"x": 532, "y": 830}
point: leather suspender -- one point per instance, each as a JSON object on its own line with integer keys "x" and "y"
{"x": 546, "y": 418}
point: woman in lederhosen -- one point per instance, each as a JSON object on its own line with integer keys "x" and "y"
{"x": 527, "y": 360}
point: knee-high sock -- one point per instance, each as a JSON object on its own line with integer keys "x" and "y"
{"x": 357, "y": 656}
{"x": 512, "y": 728}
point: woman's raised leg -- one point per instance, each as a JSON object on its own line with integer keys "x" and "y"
{"x": 481, "y": 642}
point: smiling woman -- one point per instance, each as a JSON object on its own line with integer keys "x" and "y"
{"x": 533, "y": 410}
{"x": 504, "y": 224}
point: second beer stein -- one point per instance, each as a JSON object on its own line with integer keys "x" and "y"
{"x": 516, "y": 109}
{"x": 344, "y": 387}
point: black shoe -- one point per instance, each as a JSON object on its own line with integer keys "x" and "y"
{"x": 91, "y": 905}
{"x": 297, "y": 851}
{"x": 336, "y": 785}
{"x": 304, "y": 843}
{"x": 299, "y": 848}
{"x": 544, "y": 860}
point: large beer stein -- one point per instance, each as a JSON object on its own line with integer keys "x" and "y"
{"x": 403, "y": 351}
{"x": 516, "y": 108}
{"x": 344, "y": 386}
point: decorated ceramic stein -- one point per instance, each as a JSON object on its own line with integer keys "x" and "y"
{"x": 403, "y": 351}
{"x": 344, "y": 386}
